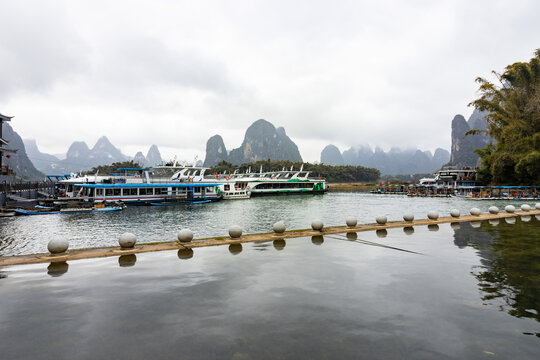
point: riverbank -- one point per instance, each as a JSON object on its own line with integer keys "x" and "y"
{"x": 117, "y": 251}
{"x": 361, "y": 187}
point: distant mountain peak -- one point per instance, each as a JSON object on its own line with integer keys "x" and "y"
{"x": 261, "y": 141}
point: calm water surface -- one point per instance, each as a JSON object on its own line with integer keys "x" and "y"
{"x": 455, "y": 293}
{"x": 26, "y": 235}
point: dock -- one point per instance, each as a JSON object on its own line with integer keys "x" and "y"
{"x": 78, "y": 254}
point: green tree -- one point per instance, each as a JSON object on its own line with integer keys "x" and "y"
{"x": 108, "y": 169}
{"x": 513, "y": 122}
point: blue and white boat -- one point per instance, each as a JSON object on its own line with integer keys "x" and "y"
{"x": 134, "y": 186}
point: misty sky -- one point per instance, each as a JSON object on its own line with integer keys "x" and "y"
{"x": 174, "y": 73}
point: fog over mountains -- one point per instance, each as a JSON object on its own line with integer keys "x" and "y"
{"x": 393, "y": 162}
{"x": 262, "y": 141}
{"x": 80, "y": 157}
{"x": 414, "y": 161}
{"x": 19, "y": 161}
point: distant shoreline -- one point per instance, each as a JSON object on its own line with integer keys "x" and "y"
{"x": 350, "y": 187}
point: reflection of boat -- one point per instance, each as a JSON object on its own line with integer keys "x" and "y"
{"x": 170, "y": 203}
{"x": 6, "y": 213}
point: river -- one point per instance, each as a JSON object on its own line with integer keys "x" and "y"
{"x": 30, "y": 234}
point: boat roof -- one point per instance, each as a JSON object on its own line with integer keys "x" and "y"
{"x": 179, "y": 185}
{"x": 132, "y": 169}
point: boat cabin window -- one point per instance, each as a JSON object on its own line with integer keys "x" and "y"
{"x": 197, "y": 189}
{"x": 227, "y": 187}
{"x": 209, "y": 189}
{"x": 161, "y": 191}
{"x": 142, "y": 191}
{"x": 100, "y": 192}
{"x": 108, "y": 192}
{"x": 116, "y": 192}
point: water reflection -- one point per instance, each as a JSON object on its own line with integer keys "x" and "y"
{"x": 433, "y": 227}
{"x": 317, "y": 239}
{"x": 409, "y": 230}
{"x": 510, "y": 254}
{"x": 57, "y": 268}
{"x": 382, "y": 233}
{"x": 510, "y": 220}
{"x": 455, "y": 226}
{"x": 476, "y": 224}
{"x": 185, "y": 253}
{"x": 352, "y": 236}
{"x": 279, "y": 244}
{"x": 526, "y": 218}
{"x": 493, "y": 222}
{"x": 235, "y": 249}
{"x": 127, "y": 260}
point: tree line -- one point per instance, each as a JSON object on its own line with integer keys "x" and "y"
{"x": 346, "y": 173}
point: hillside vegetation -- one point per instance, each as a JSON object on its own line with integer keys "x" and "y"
{"x": 345, "y": 173}
{"x": 513, "y": 122}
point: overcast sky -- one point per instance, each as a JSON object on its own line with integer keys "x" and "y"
{"x": 174, "y": 73}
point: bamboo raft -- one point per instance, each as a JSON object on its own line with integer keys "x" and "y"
{"x": 90, "y": 253}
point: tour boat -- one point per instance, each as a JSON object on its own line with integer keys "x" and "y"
{"x": 140, "y": 187}
{"x": 284, "y": 182}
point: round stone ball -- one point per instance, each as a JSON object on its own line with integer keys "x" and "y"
{"x": 537, "y": 206}
{"x": 455, "y": 213}
{"x": 127, "y": 240}
{"x": 493, "y": 210}
{"x": 475, "y": 211}
{"x": 57, "y": 246}
{"x": 235, "y": 231}
{"x": 185, "y": 235}
{"x": 525, "y": 207}
{"x": 381, "y": 220}
{"x": 433, "y": 215}
{"x": 408, "y": 217}
{"x": 279, "y": 227}
{"x": 351, "y": 221}
{"x": 317, "y": 225}
{"x": 509, "y": 208}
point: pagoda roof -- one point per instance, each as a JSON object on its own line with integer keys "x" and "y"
{"x": 5, "y": 118}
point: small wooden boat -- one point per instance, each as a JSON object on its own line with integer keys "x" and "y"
{"x": 49, "y": 211}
